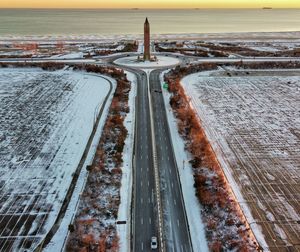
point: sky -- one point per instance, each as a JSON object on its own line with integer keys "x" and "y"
{"x": 149, "y": 3}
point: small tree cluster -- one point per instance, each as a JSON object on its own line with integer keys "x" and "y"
{"x": 266, "y": 65}
{"x": 228, "y": 48}
{"x": 128, "y": 47}
{"x": 50, "y": 66}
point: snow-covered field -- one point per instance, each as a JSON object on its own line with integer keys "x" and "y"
{"x": 253, "y": 124}
{"x": 46, "y": 119}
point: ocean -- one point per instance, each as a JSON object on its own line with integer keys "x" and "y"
{"x": 129, "y": 21}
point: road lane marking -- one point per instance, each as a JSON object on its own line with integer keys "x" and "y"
{"x": 177, "y": 222}
{"x": 142, "y": 246}
{"x": 142, "y": 221}
{"x": 155, "y": 164}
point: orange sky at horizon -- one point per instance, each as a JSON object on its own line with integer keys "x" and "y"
{"x": 149, "y": 3}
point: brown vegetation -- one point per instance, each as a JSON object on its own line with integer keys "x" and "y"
{"x": 224, "y": 50}
{"x": 226, "y": 228}
{"x": 266, "y": 65}
{"x": 51, "y": 66}
{"x": 128, "y": 47}
{"x": 246, "y": 51}
{"x": 94, "y": 225}
{"x": 191, "y": 51}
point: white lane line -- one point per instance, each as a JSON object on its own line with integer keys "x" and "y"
{"x": 142, "y": 246}
{"x": 142, "y": 221}
{"x": 177, "y": 222}
{"x": 174, "y": 202}
{"x": 150, "y": 221}
{"x": 172, "y": 184}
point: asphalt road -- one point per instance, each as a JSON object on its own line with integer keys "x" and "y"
{"x": 176, "y": 231}
{"x": 145, "y": 220}
{"x": 184, "y": 58}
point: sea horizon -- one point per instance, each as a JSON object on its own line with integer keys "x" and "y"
{"x": 87, "y": 21}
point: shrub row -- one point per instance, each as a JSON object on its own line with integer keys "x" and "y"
{"x": 192, "y": 51}
{"x": 50, "y": 66}
{"x": 94, "y": 225}
{"x": 226, "y": 228}
{"x": 129, "y": 47}
{"x": 246, "y": 51}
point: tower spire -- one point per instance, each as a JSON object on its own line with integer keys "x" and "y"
{"x": 146, "y": 40}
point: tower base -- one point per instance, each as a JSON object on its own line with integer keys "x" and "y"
{"x": 143, "y": 58}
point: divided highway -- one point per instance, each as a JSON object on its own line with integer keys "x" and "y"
{"x": 145, "y": 217}
{"x": 145, "y": 220}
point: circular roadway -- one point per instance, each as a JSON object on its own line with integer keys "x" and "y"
{"x": 162, "y": 61}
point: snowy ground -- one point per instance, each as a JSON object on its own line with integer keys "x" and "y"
{"x": 74, "y": 55}
{"x": 253, "y": 124}
{"x": 192, "y": 206}
{"x": 124, "y": 213}
{"x": 161, "y": 62}
{"x": 46, "y": 119}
